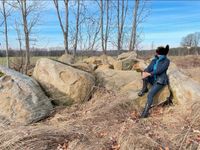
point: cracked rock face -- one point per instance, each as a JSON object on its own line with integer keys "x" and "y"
{"x": 63, "y": 83}
{"x": 22, "y": 100}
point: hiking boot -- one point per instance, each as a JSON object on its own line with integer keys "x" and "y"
{"x": 142, "y": 92}
{"x": 145, "y": 112}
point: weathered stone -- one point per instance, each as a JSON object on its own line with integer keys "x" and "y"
{"x": 64, "y": 83}
{"x": 106, "y": 66}
{"x": 66, "y": 58}
{"x": 127, "y": 55}
{"x": 125, "y": 61}
{"x": 128, "y": 83}
{"x": 84, "y": 66}
{"x": 22, "y": 100}
{"x": 93, "y": 60}
{"x": 100, "y": 60}
{"x": 115, "y": 79}
{"x": 140, "y": 66}
{"x": 185, "y": 89}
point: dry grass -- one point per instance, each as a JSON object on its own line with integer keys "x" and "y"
{"x": 186, "y": 62}
{"x": 107, "y": 122}
{"x": 189, "y": 65}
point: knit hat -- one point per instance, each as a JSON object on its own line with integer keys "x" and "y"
{"x": 162, "y": 51}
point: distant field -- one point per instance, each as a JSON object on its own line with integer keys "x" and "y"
{"x": 13, "y": 59}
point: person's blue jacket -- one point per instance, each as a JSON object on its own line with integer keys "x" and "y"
{"x": 160, "y": 73}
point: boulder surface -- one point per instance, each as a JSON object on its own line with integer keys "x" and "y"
{"x": 64, "y": 83}
{"x": 66, "y": 58}
{"x": 22, "y": 100}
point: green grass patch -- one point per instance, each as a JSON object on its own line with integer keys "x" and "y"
{"x": 32, "y": 59}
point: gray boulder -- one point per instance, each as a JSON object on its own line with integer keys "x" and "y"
{"x": 22, "y": 100}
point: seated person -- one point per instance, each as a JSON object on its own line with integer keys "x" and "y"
{"x": 156, "y": 75}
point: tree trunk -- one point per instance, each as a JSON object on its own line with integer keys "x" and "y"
{"x": 77, "y": 28}
{"x": 123, "y": 16}
{"x": 101, "y": 24}
{"x": 26, "y": 32}
{"x": 134, "y": 27}
{"x": 66, "y": 27}
{"x": 95, "y": 37}
{"x": 118, "y": 26}
{"x": 107, "y": 24}
{"x": 65, "y": 43}
{"x": 20, "y": 45}
{"x": 6, "y": 32}
{"x": 64, "y": 31}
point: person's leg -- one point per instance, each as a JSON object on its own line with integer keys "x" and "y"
{"x": 144, "y": 87}
{"x": 154, "y": 90}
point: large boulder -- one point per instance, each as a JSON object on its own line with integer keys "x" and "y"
{"x": 115, "y": 79}
{"x": 128, "y": 83}
{"x": 105, "y": 66}
{"x": 66, "y": 58}
{"x": 84, "y": 66}
{"x": 185, "y": 89}
{"x": 64, "y": 83}
{"x": 125, "y": 55}
{"x": 140, "y": 65}
{"x": 125, "y": 61}
{"x": 22, "y": 100}
{"x": 100, "y": 60}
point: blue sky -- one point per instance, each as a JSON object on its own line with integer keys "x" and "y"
{"x": 170, "y": 20}
{"x": 167, "y": 23}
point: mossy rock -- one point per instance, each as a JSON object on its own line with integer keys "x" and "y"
{"x": 1, "y": 74}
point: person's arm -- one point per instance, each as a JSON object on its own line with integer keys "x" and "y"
{"x": 161, "y": 68}
{"x": 149, "y": 67}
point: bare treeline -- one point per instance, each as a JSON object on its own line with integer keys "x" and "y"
{"x": 86, "y": 25}
{"x": 191, "y": 40}
{"x": 101, "y": 24}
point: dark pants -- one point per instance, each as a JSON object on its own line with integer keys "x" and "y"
{"x": 154, "y": 89}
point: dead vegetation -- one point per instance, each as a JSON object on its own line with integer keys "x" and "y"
{"x": 189, "y": 65}
{"x": 186, "y": 62}
{"x": 109, "y": 122}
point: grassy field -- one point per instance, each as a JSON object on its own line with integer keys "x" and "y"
{"x": 14, "y": 59}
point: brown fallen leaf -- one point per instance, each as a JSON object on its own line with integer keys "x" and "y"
{"x": 116, "y": 147}
{"x": 101, "y": 134}
{"x": 63, "y": 146}
{"x": 165, "y": 148}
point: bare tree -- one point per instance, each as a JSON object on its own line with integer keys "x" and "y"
{"x": 121, "y": 22}
{"x": 92, "y": 24}
{"x": 64, "y": 30}
{"x": 77, "y": 27}
{"x": 196, "y": 39}
{"x": 19, "y": 39}
{"x": 134, "y": 27}
{"x": 191, "y": 40}
{"x": 101, "y": 25}
{"x": 188, "y": 40}
{"x": 92, "y": 29}
{"x": 5, "y": 13}
{"x": 140, "y": 13}
{"x": 107, "y": 26}
{"x": 30, "y": 12}
{"x": 95, "y": 36}
{"x": 104, "y": 37}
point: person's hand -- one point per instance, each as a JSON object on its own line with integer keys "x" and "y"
{"x": 145, "y": 74}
